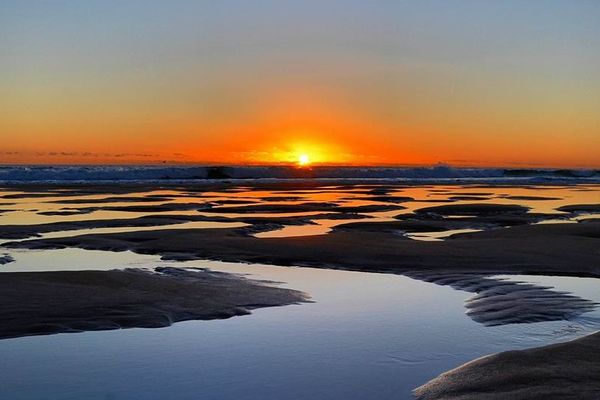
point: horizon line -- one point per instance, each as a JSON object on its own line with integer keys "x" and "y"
{"x": 295, "y": 165}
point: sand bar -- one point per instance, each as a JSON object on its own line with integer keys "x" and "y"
{"x": 38, "y": 303}
{"x": 562, "y": 249}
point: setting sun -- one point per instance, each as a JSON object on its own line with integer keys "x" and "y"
{"x": 304, "y": 148}
{"x": 303, "y": 160}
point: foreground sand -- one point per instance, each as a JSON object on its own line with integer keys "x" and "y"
{"x": 562, "y": 371}
{"x": 37, "y": 303}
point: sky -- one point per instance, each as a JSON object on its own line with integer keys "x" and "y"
{"x": 371, "y": 82}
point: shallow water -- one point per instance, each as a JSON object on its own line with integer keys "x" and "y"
{"x": 25, "y": 210}
{"x": 185, "y": 225}
{"x": 436, "y": 236}
{"x": 365, "y": 336}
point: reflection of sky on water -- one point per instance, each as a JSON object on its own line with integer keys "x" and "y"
{"x": 185, "y": 225}
{"x": 437, "y": 236}
{"x": 26, "y": 208}
{"x": 366, "y": 336}
{"x": 75, "y": 260}
{"x": 566, "y": 195}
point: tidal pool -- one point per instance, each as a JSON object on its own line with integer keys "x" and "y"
{"x": 365, "y": 336}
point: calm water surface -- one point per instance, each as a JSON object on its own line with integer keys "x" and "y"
{"x": 365, "y": 336}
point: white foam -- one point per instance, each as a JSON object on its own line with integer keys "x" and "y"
{"x": 438, "y": 173}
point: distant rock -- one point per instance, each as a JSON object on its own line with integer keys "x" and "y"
{"x": 6, "y": 258}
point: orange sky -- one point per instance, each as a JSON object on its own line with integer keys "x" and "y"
{"x": 385, "y": 84}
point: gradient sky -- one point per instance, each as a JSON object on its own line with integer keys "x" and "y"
{"x": 513, "y": 83}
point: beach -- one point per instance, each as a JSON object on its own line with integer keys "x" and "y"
{"x": 457, "y": 236}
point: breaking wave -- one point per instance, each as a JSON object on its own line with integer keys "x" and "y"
{"x": 439, "y": 173}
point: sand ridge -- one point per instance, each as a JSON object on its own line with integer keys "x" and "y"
{"x": 39, "y": 303}
{"x": 564, "y": 371}
{"x": 562, "y": 249}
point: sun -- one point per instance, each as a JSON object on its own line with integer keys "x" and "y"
{"x": 303, "y": 160}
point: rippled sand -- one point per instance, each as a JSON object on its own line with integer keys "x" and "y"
{"x": 37, "y": 303}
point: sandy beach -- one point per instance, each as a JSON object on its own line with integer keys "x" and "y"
{"x": 485, "y": 233}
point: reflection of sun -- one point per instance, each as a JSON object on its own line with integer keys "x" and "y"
{"x": 303, "y": 160}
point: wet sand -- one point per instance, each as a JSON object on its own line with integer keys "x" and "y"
{"x": 556, "y": 372}
{"x": 581, "y": 208}
{"x": 473, "y": 209}
{"x": 560, "y": 249}
{"x": 502, "y": 302}
{"x": 39, "y": 303}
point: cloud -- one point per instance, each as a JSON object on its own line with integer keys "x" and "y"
{"x": 87, "y": 154}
